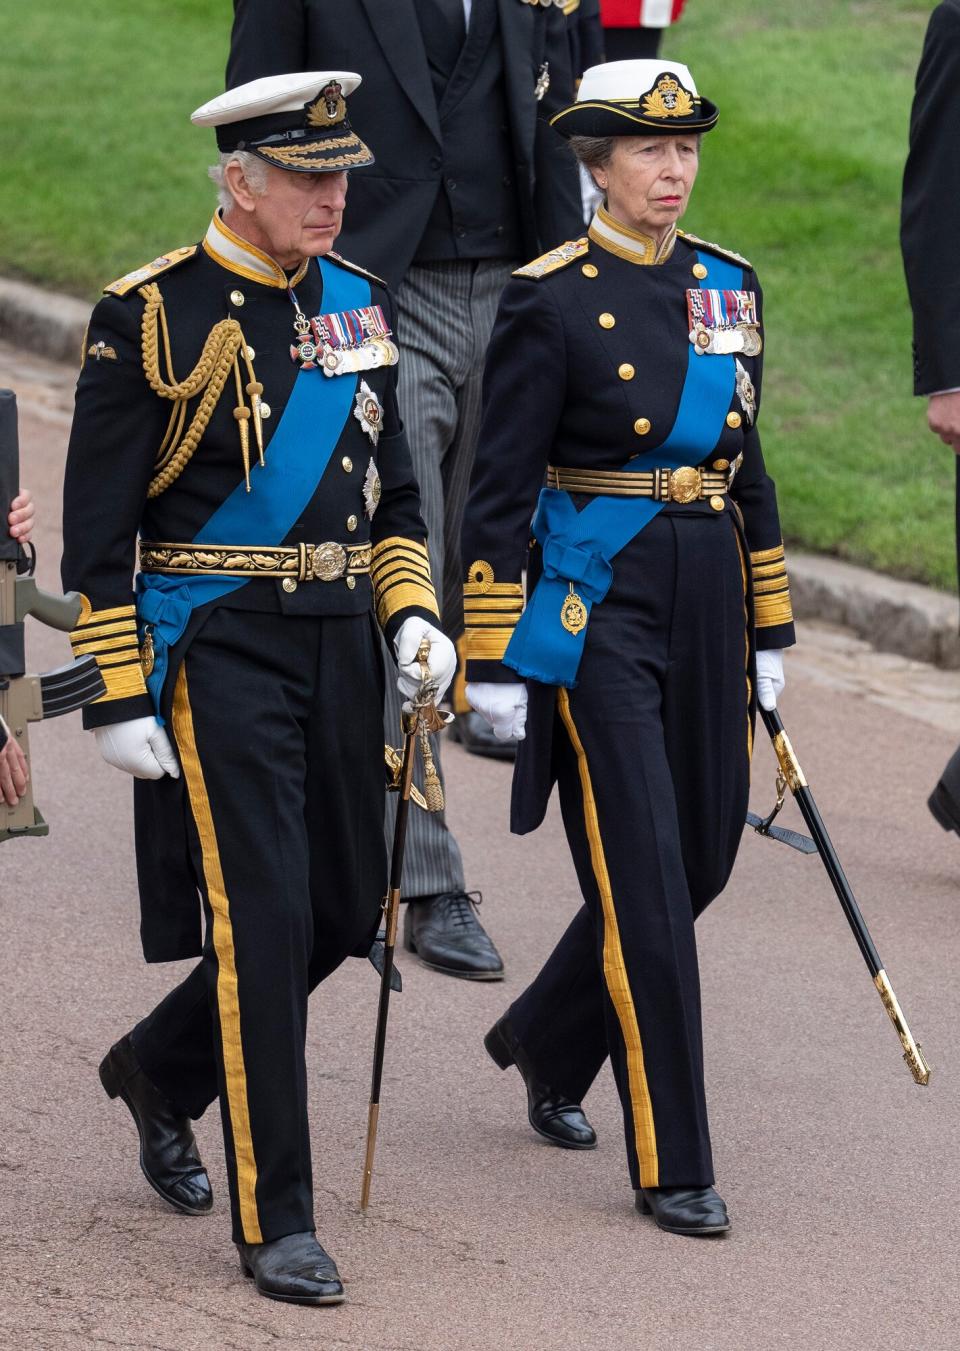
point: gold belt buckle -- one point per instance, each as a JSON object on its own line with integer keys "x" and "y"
{"x": 684, "y": 484}
{"x": 329, "y": 561}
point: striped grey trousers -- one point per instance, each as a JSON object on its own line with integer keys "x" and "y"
{"x": 445, "y": 315}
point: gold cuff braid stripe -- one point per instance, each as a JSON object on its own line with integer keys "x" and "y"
{"x": 492, "y": 620}
{"x": 398, "y": 543}
{"x": 767, "y": 555}
{"x": 769, "y": 569}
{"x": 770, "y": 584}
{"x": 769, "y": 611}
{"x": 98, "y": 645}
{"x": 122, "y": 682}
{"x": 228, "y": 999}
{"x": 486, "y": 645}
{"x": 403, "y": 596}
{"x": 614, "y": 969}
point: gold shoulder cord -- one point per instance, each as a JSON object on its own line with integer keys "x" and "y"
{"x": 221, "y": 353}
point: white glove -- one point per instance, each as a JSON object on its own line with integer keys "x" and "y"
{"x": 140, "y": 746}
{"x": 442, "y": 662}
{"x": 504, "y": 707}
{"x": 770, "y": 678}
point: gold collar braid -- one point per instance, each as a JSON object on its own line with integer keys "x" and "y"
{"x": 221, "y": 353}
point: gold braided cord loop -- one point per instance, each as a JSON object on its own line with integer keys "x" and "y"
{"x": 218, "y": 358}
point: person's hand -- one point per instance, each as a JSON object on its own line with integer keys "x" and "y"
{"x": 770, "y": 677}
{"x": 13, "y": 771}
{"x": 20, "y": 519}
{"x": 943, "y": 418}
{"x": 442, "y": 662}
{"x": 503, "y": 706}
{"x": 139, "y": 746}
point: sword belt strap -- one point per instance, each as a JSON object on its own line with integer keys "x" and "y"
{"x": 685, "y": 484}
{"x": 304, "y": 562}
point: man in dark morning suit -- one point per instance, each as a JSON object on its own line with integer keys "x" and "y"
{"x": 469, "y": 181}
{"x": 930, "y": 228}
{"x": 236, "y": 410}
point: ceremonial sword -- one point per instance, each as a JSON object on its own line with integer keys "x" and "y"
{"x": 28, "y": 698}
{"x": 420, "y": 718}
{"x": 791, "y": 776}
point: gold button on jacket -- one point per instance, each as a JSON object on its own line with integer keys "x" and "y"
{"x": 642, "y": 426}
{"x": 606, "y": 320}
{"x": 626, "y": 371}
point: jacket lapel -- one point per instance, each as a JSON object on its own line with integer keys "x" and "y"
{"x": 397, "y": 29}
{"x": 517, "y": 24}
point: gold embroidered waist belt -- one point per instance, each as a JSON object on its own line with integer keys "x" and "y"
{"x": 304, "y": 562}
{"x": 664, "y": 485}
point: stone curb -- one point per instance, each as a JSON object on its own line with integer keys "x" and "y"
{"x": 903, "y": 617}
{"x": 43, "y": 322}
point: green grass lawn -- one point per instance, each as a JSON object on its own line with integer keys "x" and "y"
{"x": 102, "y": 171}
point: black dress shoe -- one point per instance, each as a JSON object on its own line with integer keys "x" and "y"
{"x": 168, "y": 1151}
{"x": 697, "y": 1211}
{"x": 294, "y": 1268}
{"x": 446, "y": 935}
{"x": 944, "y": 801}
{"x": 551, "y": 1115}
{"x": 476, "y": 736}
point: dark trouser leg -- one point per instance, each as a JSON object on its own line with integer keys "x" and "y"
{"x": 660, "y": 714}
{"x": 289, "y": 890}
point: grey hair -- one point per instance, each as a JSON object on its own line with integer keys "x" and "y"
{"x": 254, "y": 171}
{"x": 593, "y": 152}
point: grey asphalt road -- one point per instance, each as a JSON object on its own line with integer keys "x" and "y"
{"x": 841, "y": 1174}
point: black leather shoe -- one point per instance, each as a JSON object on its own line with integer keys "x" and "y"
{"x": 168, "y": 1152}
{"x": 944, "y": 801}
{"x": 697, "y": 1211}
{"x": 476, "y": 736}
{"x": 551, "y": 1115}
{"x": 446, "y": 935}
{"x": 294, "y": 1268}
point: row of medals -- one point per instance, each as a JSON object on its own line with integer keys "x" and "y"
{"x": 374, "y": 352}
{"x": 743, "y": 338}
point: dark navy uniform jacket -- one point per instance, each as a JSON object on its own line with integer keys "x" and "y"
{"x": 119, "y": 426}
{"x": 585, "y": 370}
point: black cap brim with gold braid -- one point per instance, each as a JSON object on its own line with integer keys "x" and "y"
{"x": 311, "y": 137}
{"x": 665, "y": 106}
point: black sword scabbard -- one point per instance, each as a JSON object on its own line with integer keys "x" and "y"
{"x": 797, "y": 783}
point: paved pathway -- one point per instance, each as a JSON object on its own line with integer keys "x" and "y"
{"x": 841, "y": 1175}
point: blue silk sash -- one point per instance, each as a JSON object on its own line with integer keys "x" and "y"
{"x": 297, "y": 456}
{"x": 578, "y": 547}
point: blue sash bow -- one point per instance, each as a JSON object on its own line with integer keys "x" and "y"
{"x": 296, "y": 458}
{"x": 578, "y": 547}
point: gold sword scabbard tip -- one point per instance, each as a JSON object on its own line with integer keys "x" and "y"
{"x": 912, "y": 1051}
{"x": 918, "y": 1066}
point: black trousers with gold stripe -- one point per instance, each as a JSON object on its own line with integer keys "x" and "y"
{"x": 652, "y": 753}
{"x": 278, "y": 722}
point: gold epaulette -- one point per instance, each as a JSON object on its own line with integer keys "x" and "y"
{"x": 124, "y": 285}
{"x": 721, "y": 253}
{"x": 699, "y": 243}
{"x": 555, "y": 259}
{"x": 355, "y": 267}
